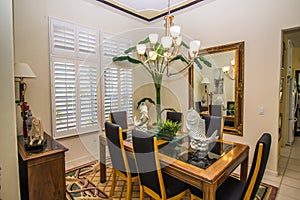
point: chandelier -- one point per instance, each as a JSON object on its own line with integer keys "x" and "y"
{"x": 168, "y": 49}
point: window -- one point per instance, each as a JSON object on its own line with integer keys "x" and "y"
{"x": 118, "y": 81}
{"x": 74, "y": 78}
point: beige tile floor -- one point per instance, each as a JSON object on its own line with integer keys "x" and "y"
{"x": 288, "y": 180}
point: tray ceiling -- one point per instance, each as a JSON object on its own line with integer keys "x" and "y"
{"x": 149, "y": 9}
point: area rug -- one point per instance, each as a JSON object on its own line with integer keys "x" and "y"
{"x": 83, "y": 183}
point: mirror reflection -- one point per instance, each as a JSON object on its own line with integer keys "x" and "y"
{"x": 221, "y": 84}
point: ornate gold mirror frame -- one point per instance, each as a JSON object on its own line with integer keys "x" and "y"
{"x": 237, "y": 128}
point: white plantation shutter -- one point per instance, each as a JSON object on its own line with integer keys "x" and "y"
{"x": 126, "y": 91}
{"x": 87, "y": 43}
{"x": 65, "y": 96}
{"x": 88, "y": 96}
{"x": 111, "y": 90}
{"x": 63, "y": 37}
{"x": 118, "y": 82}
{"x": 74, "y": 72}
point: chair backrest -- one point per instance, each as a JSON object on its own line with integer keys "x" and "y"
{"x": 120, "y": 118}
{"x": 213, "y": 123}
{"x": 115, "y": 145}
{"x": 216, "y": 110}
{"x": 198, "y": 106}
{"x": 148, "y": 166}
{"x": 174, "y": 116}
{"x": 258, "y": 166}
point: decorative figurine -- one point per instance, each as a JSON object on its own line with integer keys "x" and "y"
{"x": 36, "y": 133}
{"x": 144, "y": 118}
{"x": 196, "y": 129}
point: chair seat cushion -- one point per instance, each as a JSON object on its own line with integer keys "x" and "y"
{"x": 231, "y": 189}
{"x": 173, "y": 186}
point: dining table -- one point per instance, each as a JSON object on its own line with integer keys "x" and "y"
{"x": 179, "y": 160}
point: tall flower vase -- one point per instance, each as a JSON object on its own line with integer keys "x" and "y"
{"x": 25, "y": 132}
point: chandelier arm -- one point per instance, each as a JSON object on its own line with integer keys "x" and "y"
{"x": 162, "y": 69}
{"x": 180, "y": 71}
{"x": 148, "y": 68}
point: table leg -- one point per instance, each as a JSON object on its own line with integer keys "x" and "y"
{"x": 244, "y": 170}
{"x": 102, "y": 161}
{"x": 209, "y": 192}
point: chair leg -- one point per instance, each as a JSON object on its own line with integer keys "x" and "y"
{"x": 194, "y": 197}
{"x": 113, "y": 183}
{"x": 141, "y": 193}
{"x": 128, "y": 189}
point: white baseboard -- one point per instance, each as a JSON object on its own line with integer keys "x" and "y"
{"x": 272, "y": 172}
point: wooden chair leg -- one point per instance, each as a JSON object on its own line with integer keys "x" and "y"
{"x": 141, "y": 193}
{"x": 193, "y": 197}
{"x": 113, "y": 183}
{"x": 128, "y": 189}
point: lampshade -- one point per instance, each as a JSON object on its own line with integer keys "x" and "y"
{"x": 152, "y": 55}
{"x": 205, "y": 80}
{"x": 153, "y": 37}
{"x": 141, "y": 49}
{"x": 166, "y": 42}
{"x": 226, "y": 69}
{"x": 23, "y": 70}
{"x": 175, "y": 31}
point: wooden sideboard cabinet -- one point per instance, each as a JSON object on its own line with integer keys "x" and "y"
{"x": 42, "y": 172}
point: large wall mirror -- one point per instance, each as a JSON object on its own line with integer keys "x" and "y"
{"x": 223, "y": 83}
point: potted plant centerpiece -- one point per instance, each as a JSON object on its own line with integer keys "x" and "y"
{"x": 168, "y": 129}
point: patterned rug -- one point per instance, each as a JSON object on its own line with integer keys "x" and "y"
{"x": 83, "y": 183}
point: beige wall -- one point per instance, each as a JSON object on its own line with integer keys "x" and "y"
{"x": 9, "y": 178}
{"x": 258, "y": 23}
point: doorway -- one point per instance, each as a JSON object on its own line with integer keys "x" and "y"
{"x": 289, "y": 125}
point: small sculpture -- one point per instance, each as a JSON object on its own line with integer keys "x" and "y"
{"x": 29, "y": 120}
{"x": 144, "y": 118}
{"x": 196, "y": 129}
{"x": 36, "y": 133}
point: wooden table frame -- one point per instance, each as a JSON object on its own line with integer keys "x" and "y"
{"x": 208, "y": 180}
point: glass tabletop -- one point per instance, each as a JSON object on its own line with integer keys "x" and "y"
{"x": 182, "y": 151}
{"x": 155, "y": 131}
{"x": 179, "y": 148}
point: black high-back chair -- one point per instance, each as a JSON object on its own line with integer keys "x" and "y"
{"x": 198, "y": 106}
{"x": 213, "y": 123}
{"x": 234, "y": 189}
{"x": 216, "y": 110}
{"x": 153, "y": 181}
{"x": 122, "y": 164}
{"x": 175, "y": 117}
{"x": 120, "y": 118}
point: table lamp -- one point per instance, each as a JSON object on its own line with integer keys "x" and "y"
{"x": 23, "y": 70}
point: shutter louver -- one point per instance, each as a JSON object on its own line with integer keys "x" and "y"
{"x": 111, "y": 101}
{"x": 88, "y": 95}
{"x": 65, "y": 96}
{"x": 63, "y": 38}
{"x": 87, "y": 44}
